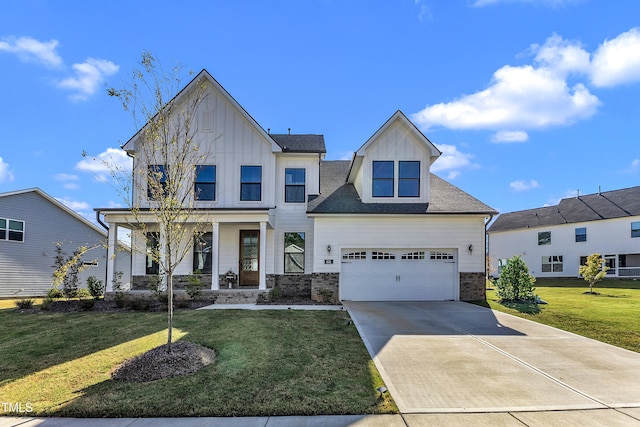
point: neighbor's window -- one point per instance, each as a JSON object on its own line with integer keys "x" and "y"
{"x": 205, "y": 183}
{"x": 11, "y": 229}
{"x": 251, "y": 183}
{"x": 635, "y": 229}
{"x": 382, "y": 179}
{"x": 153, "y": 245}
{"x": 156, "y": 182}
{"x": 544, "y": 238}
{"x": 294, "y": 181}
{"x": 202, "y": 253}
{"x": 552, "y": 264}
{"x": 502, "y": 263}
{"x": 581, "y": 234}
{"x": 409, "y": 179}
{"x": 294, "y": 252}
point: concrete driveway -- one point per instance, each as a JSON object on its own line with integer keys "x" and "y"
{"x": 450, "y": 357}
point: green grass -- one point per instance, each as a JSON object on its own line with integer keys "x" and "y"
{"x": 268, "y": 363}
{"x": 611, "y": 316}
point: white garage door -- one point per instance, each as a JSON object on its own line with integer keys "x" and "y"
{"x": 398, "y": 275}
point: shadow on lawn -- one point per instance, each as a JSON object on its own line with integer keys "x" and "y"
{"x": 522, "y": 307}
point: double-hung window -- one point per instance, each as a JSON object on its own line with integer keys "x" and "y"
{"x": 11, "y": 229}
{"x": 294, "y": 182}
{"x": 156, "y": 182}
{"x": 635, "y": 229}
{"x": 552, "y": 264}
{"x": 251, "y": 183}
{"x": 205, "y": 183}
{"x": 544, "y": 238}
{"x": 408, "y": 179}
{"x": 383, "y": 173}
{"x": 581, "y": 234}
{"x": 202, "y": 253}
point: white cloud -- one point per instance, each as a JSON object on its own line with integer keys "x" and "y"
{"x": 506, "y": 136}
{"x": 30, "y": 49}
{"x": 634, "y": 167}
{"x": 114, "y": 160}
{"x": 617, "y": 61}
{"x": 452, "y": 161}
{"x": 522, "y": 185}
{"x": 6, "y": 174}
{"x": 424, "y": 13}
{"x": 89, "y": 75}
{"x": 69, "y": 180}
{"x": 554, "y": 200}
{"x": 562, "y": 56}
{"x": 81, "y": 208}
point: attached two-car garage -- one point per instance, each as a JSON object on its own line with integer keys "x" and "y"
{"x": 399, "y": 275}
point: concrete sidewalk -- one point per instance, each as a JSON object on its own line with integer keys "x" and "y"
{"x": 272, "y": 307}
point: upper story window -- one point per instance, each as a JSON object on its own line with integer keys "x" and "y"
{"x": 294, "y": 182}
{"x": 156, "y": 182}
{"x": 11, "y": 229}
{"x": 251, "y": 183}
{"x": 202, "y": 253}
{"x": 544, "y": 238}
{"x": 205, "y": 182}
{"x": 382, "y": 179}
{"x": 635, "y": 229}
{"x": 409, "y": 179}
{"x": 581, "y": 234}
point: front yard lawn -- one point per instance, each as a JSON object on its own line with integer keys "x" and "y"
{"x": 268, "y": 363}
{"x": 611, "y": 317}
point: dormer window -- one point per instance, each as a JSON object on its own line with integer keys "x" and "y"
{"x": 408, "y": 179}
{"x": 383, "y": 175}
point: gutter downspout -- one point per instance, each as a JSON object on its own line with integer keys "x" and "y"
{"x": 106, "y": 227}
{"x": 486, "y": 239}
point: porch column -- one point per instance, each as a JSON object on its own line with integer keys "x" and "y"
{"x": 112, "y": 240}
{"x": 263, "y": 255}
{"x": 215, "y": 257}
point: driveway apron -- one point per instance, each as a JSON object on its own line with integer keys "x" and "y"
{"x": 458, "y": 357}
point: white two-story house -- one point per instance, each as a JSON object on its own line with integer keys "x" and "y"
{"x": 555, "y": 240}
{"x": 378, "y": 227}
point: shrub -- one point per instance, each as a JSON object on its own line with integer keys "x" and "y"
{"x": 326, "y": 295}
{"x": 138, "y": 305}
{"x": 593, "y": 270}
{"x": 25, "y": 303}
{"x": 83, "y": 293}
{"x": 54, "y": 293}
{"x": 515, "y": 283}
{"x": 275, "y": 294}
{"x": 87, "y": 304}
{"x": 46, "y": 302}
{"x": 117, "y": 288}
{"x": 194, "y": 285}
{"x": 95, "y": 287}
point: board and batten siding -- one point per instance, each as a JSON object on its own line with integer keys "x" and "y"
{"x": 610, "y": 236}
{"x": 437, "y": 232}
{"x": 26, "y": 268}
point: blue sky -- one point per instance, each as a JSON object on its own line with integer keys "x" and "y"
{"x": 529, "y": 100}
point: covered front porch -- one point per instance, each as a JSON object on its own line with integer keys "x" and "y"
{"x": 231, "y": 250}
{"x": 623, "y": 265}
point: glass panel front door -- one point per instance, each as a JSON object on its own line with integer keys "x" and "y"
{"x": 249, "y": 257}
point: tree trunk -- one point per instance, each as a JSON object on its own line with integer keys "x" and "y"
{"x": 169, "y": 309}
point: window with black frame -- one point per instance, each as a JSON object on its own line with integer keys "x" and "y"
{"x": 205, "y": 183}
{"x": 202, "y": 253}
{"x": 251, "y": 183}
{"x": 294, "y": 183}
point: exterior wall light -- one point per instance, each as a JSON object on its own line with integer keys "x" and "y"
{"x": 329, "y": 248}
{"x": 470, "y": 249}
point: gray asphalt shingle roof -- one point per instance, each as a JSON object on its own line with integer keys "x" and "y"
{"x": 590, "y": 207}
{"x": 341, "y": 197}
{"x": 300, "y": 143}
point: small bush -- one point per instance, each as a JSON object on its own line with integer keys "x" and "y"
{"x": 24, "y": 303}
{"x": 326, "y": 295}
{"x": 95, "y": 287}
{"x": 138, "y": 305}
{"x": 87, "y": 304}
{"x": 54, "y": 293}
{"x": 83, "y": 293}
{"x": 275, "y": 294}
{"x": 515, "y": 283}
{"x": 46, "y": 302}
{"x": 119, "y": 299}
{"x": 194, "y": 285}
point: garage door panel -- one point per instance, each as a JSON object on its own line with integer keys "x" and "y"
{"x": 399, "y": 275}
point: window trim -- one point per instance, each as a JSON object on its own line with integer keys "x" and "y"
{"x": 202, "y": 238}
{"x": 154, "y": 268}
{"x": 303, "y": 253}
{"x": 581, "y": 237}
{"x": 554, "y": 260}
{"x": 8, "y": 230}
{"x": 543, "y": 242}
{"x": 374, "y": 180}
{"x": 401, "y": 179}
{"x": 635, "y": 229}
{"x": 151, "y": 175}
{"x": 243, "y": 183}
{"x": 196, "y": 182}
{"x": 296, "y": 185}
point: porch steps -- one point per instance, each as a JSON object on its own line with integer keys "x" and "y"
{"x": 238, "y": 297}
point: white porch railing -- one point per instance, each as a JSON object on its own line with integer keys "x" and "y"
{"x": 628, "y": 271}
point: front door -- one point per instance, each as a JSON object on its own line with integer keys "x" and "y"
{"x": 249, "y": 258}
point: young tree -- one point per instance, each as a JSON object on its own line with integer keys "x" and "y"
{"x": 166, "y": 153}
{"x": 593, "y": 270}
{"x": 515, "y": 283}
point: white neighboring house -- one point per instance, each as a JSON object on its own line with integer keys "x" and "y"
{"x": 31, "y": 223}
{"x": 378, "y": 227}
{"x": 555, "y": 240}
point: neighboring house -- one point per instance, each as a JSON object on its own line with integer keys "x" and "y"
{"x": 555, "y": 240}
{"x": 378, "y": 227}
{"x": 31, "y": 223}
